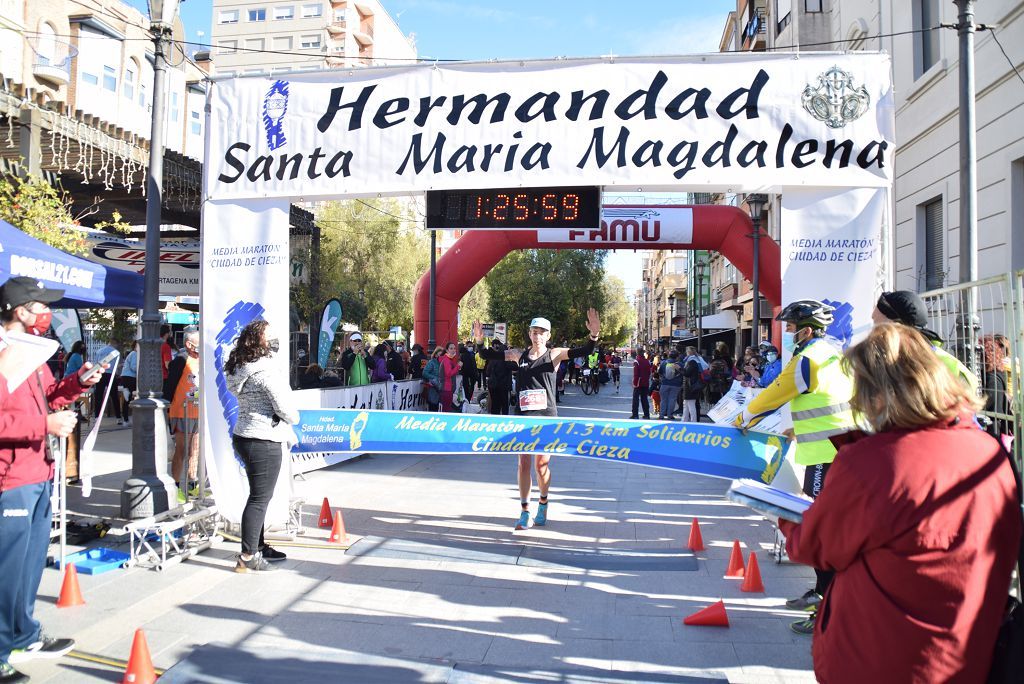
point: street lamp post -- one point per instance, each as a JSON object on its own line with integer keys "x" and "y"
{"x": 147, "y": 491}
{"x": 756, "y": 204}
{"x": 699, "y": 267}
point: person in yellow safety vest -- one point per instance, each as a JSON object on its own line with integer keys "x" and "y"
{"x": 818, "y": 392}
{"x": 904, "y": 306}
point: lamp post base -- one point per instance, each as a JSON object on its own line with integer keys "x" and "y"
{"x": 149, "y": 489}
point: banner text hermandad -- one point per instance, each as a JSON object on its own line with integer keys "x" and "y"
{"x": 825, "y": 119}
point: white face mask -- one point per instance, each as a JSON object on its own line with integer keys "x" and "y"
{"x": 771, "y": 357}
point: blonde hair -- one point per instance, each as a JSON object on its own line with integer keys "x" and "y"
{"x": 437, "y": 352}
{"x": 899, "y": 381}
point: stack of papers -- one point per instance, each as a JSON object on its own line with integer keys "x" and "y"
{"x": 768, "y": 500}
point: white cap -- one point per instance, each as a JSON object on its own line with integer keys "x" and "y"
{"x": 541, "y": 323}
{"x": 356, "y": 336}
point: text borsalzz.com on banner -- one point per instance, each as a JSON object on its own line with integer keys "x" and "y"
{"x": 825, "y": 120}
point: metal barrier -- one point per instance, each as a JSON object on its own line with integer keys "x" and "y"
{"x": 969, "y": 318}
{"x": 972, "y": 319}
{"x": 187, "y": 529}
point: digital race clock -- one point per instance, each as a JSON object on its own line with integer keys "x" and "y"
{"x": 514, "y": 208}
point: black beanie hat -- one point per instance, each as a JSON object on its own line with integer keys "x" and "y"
{"x": 904, "y": 306}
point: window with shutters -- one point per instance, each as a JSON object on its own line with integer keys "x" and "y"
{"x": 934, "y": 252}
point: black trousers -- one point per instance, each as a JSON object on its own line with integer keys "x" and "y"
{"x": 640, "y": 399}
{"x": 498, "y": 398}
{"x": 97, "y": 397}
{"x": 814, "y": 482}
{"x": 468, "y": 383}
{"x": 262, "y": 459}
{"x": 128, "y": 383}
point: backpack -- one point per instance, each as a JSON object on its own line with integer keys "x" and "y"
{"x": 671, "y": 370}
{"x": 719, "y": 376}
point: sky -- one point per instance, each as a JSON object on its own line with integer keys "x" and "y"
{"x": 500, "y": 29}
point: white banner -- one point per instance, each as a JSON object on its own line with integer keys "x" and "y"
{"x": 400, "y": 396}
{"x": 245, "y": 260}
{"x": 179, "y": 261}
{"x": 646, "y": 224}
{"x": 831, "y": 253}
{"x": 737, "y": 121}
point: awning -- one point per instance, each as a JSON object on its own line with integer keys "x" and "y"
{"x": 709, "y": 337}
{"x": 85, "y": 284}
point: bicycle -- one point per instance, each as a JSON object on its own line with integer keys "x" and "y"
{"x": 586, "y": 381}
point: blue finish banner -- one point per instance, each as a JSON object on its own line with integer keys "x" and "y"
{"x": 704, "y": 449}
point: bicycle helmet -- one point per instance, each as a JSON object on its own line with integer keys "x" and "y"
{"x": 807, "y": 313}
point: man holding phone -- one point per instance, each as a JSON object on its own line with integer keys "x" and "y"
{"x": 32, "y": 412}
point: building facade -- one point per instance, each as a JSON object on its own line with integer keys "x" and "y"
{"x": 253, "y": 36}
{"x": 76, "y": 101}
{"x": 926, "y": 206}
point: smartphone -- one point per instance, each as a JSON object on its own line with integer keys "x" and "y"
{"x": 98, "y": 367}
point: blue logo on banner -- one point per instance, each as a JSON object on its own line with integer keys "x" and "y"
{"x": 842, "y": 325}
{"x": 238, "y": 316}
{"x": 275, "y": 106}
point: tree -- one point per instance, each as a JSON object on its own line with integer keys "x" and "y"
{"x": 371, "y": 256}
{"x": 41, "y": 211}
{"x": 559, "y": 285}
{"x": 618, "y": 318}
{"x": 473, "y": 307}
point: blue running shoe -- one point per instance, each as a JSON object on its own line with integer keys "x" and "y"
{"x": 542, "y": 515}
{"x": 524, "y": 521}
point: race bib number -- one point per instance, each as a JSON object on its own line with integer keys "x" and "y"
{"x": 533, "y": 400}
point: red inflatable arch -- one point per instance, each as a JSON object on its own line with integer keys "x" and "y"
{"x": 718, "y": 228}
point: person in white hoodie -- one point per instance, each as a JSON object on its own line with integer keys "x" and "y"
{"x": 264, "y": 412}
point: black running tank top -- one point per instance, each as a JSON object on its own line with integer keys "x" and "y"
{"x": 537, "y": 373}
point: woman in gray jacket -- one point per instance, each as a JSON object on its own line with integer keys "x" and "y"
{"x": 264, "y": 413}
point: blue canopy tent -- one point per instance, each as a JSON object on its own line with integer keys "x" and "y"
{"x": 85, "y": 284}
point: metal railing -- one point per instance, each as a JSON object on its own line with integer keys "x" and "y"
{"x": 981, "y": 324}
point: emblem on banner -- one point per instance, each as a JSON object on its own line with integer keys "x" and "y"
{"x": 841, "y": 329}
{"x": 356, "y": 430}
{"x": 275, "y": 105}
{"x": 836, "y": 101}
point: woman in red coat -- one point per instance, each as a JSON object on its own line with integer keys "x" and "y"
{"x": 920, "y": 522}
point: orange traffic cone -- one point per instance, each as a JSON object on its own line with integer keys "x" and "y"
{"x": 325, "y": 514}
{"x": 752, "y": 576}
{"x": 338, "y": 534}
{"x": 735, "y": 568}
{"x": 70, "y": 594}
{"x": 712, "y": 616}
{"x": 696, "y": 542}
{"x": 140, "y": 665}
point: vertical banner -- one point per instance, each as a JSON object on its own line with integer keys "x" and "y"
{"x": 67, "y": 326}
{"x": 329, "y": 321}
{"x": 245, "y": 260}
{"x": 831, "y": 252}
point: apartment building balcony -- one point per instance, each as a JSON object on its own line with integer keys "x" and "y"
{"x": 364, "y": 34}
{"x": 339, "y": 4}
{"x": 51, "y": 60}
{"x": 337, "y": 28}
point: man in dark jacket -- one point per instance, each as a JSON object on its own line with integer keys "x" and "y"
{"x": 641, "y": 385}
{"x": 468, "y": 359}
{"x": 31, "y": 416}
{"x": 417, "y": 362}
{"x": 395, "y": 362}
{"x": 499, "y": 381}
